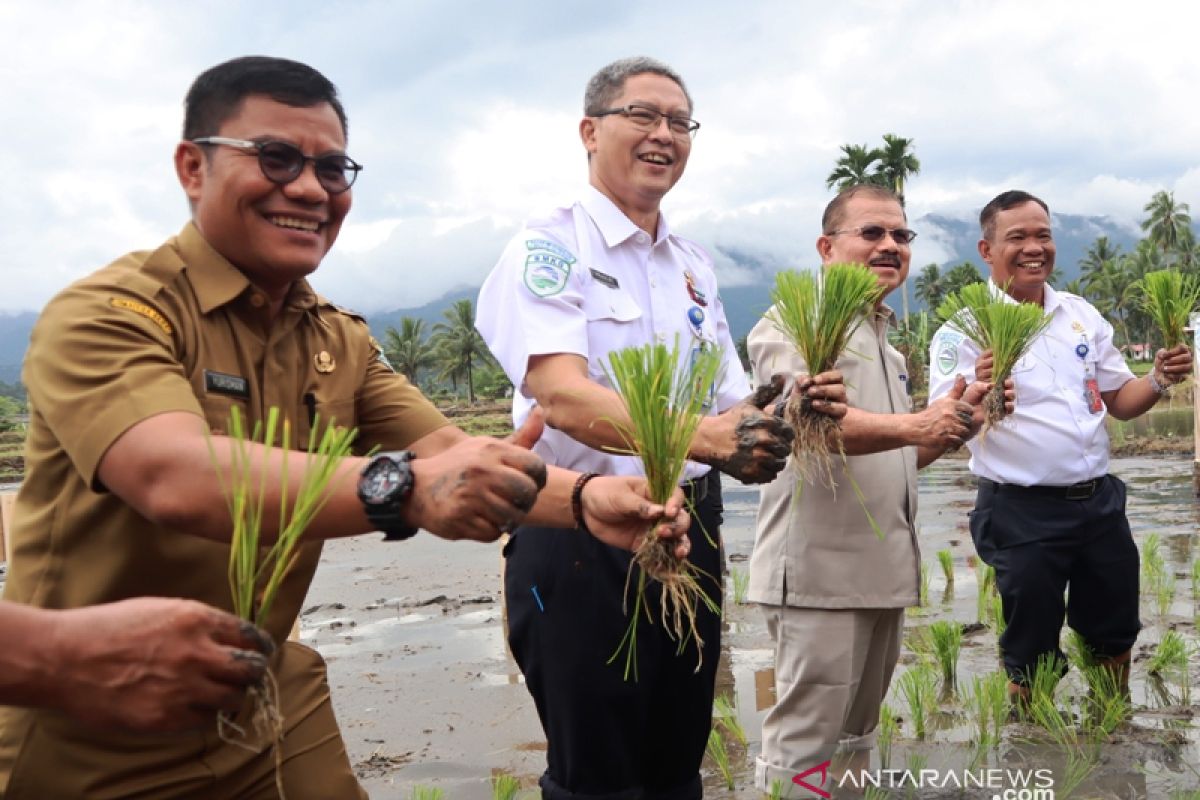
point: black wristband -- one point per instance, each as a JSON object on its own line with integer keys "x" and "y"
{"x": 577, "y": 499}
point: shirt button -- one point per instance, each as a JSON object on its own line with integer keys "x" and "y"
{"x": 643, "y": 237}
{"x": 257, "y": 300}
{"x": 653, "y": 283}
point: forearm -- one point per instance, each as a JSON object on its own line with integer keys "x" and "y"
{"x": 1133, "y": 399}
{"x": 587, "y": 412}
{"x": 553, "y": 506}
{"x": 27, "y": 671}
{"x": 864, "y": 432}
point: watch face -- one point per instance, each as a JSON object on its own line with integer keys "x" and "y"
{"x": 380, "y": 481}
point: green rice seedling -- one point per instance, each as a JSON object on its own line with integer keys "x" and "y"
{"x": 874, "y": 792}
{"x": 258, "y": 566}
{"x": 998, "y": 623}
{"x": 923, "y": 590}
{"x": 1170, "y": 656}
{"x": 741, "y": 585}
{"x": 919, "y": 642}
{"x": 987, "y": 703}
{"x": 776, "y": 792}
{"x": 886, "y": 732}
{"x": 946, "y": 559}
{"x": 725, "y": 715}
{"x": 665, "y": 403}
{"x": 918, "y": 687}
{"x": 720, "y": 757}
{"x": 505, "y": 786}
{"x": 1047, "y": 673}
{"x": 1079, "y": 655}
{"x": 1082, "y": 758}
{"x": 914, "y": 765}
{"x": 947, "y": 641}
{"x": 1107, "y": 704}
{"x": 1153, "y": 566}
{"x": 995, "y": 322}
{"x": 1169, "y": 296}
{"x": 985, "y": 587}
{"x": 818, "y": 313}
{"x": 426, "y": 793}
{"x": 1164, "y": 593}
{"x": 1196, "y": 579}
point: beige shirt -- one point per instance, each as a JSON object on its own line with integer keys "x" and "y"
{"x": 815, "y": 547}
{"x": 175, "y": 329}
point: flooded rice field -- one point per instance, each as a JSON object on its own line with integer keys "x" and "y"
{"x": 429, "y": 698}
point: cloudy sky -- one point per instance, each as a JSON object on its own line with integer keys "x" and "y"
{"x": 465, "y": 115}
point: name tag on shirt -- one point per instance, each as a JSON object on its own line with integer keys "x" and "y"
{"x": 223, "y": 383}
{"x": 604, "y": 277}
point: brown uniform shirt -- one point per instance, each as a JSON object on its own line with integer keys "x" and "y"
{"x": 176, "y": 329}
{"x": 817, "y": 549}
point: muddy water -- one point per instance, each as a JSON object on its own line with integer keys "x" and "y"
{"x": 427, "y": 695}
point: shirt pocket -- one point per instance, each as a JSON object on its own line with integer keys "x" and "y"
{"x": 613, "y": 322}
{"x": 321, "y": 407}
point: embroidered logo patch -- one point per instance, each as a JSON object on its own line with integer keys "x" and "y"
{"x": 547, "y": 270}
{"x": 947, "y": 358}
{"x": 143, "y": 309}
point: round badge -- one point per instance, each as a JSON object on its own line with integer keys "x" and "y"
{"x": 1081, "y": 350}
{"x": 695, "y": 315}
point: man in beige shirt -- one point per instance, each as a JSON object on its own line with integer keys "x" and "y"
{"x": 833, "y": 593}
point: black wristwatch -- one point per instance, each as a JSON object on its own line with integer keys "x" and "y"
{"x": 384, "y": 486}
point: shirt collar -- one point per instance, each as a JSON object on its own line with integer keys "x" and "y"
{"x": 1050, "y": 298}
{"x": 218, "y": 282}
{"x": 614, "y": 226}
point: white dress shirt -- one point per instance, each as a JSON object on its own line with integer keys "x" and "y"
{"x": 1055, "y": 437}
{"x": 586, "y": 280}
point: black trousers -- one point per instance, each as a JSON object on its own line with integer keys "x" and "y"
{"x": 609, "y": 737}
{"x": 1044, "y": 541}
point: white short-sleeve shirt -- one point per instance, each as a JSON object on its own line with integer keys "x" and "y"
{"x": 586, "y": 280}
{"x": 1054, "y": 437}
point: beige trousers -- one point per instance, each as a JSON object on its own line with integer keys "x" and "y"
{"x": 832, "y": 671}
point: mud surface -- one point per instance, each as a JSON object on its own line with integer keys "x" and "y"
{"x": 428, "y": 696}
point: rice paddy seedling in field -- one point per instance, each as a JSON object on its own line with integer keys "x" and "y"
{"x": 258, "y": 566}
{"x": 1079, "y": 655}
{"x": 818, "y": 313}
{"x": 776, "y": 792}
{"x": 1170, "y": 656}
{"x": 886, "y": 732}
{"x": 947, "y": 641}
{"x": 997, "y": 621}
{"x": 923, "y": 590}
{"x": 1169, "y": 297}
{"x": 426, "y": 793}
{"x": 918, "y": 686}
{"x": 914, "y": 765}
{"x": 665, "y": 402}
{"x": 987, "y": 703}
{"x": 995, "y": 322}
{"x": 1196, "y": 579}
{"x": 874, "y": 792}
{"x": 1164, "y": 593}
{"x": 1081, "y": 760}
{"x": 1045, "y": 678}
{"x": 720, "y": 757}
{"x": 1107, "y": 703}
{"x": 985, "y": 586}
{"x": 505, "y": 786}
{"x": 741, "y": 585}
{"x": 1153, "y": 566}
{"x": 725, "y": 715}
{"x": 946, "y": 559}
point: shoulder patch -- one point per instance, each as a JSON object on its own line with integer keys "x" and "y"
{"x": 380, "y": 355}
{"x": 546, "y": 274}
{"x": 146, "y": 311}
{"x": 947, "y": 356}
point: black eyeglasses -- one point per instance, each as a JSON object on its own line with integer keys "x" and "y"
{"x": 282, "y": 163}
{"x": 873, "y": 233}
{"x": 647, "y": 119}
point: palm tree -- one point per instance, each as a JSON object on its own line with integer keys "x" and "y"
{"x": 853, "y": 168}
{"x": 930, "y": 287}
{"x": 458, "y": 346}
{"x": 959, "y": 276}
{"x": 896, "y": 163}
{"x": 1100, "y": 252}
{"x": 407, "y": 349}
{"x": 1168, "y": 224}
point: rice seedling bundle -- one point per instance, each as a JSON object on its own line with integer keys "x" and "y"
{"x": 1169, "y": 297}
{"x": 505, "y": 786}
{"x": 256, "y": 570}
{"x": 947, "y": 642}
{"x": 1171, "y": 655}
{"x": 665, "y": 402}
{"x": 918, "y": 686}
{"x": 720, "y": 757}
{"x": 818, "y": 313}
{"x": 725, "y": 716}
{"x": 995, "y": 323}
{"x": 946, "y": 559}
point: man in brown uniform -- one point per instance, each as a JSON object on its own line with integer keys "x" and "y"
{"x": 834, "y": 594}
{"x": 132, "y": 373}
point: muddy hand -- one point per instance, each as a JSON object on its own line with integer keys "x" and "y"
{"x": 154, "y": 664}
{"x": 1172, "y": 366}
{"x": 478, "y": 487}
{"x": 745, "y": 442}
{"x": 825, "y": 391}
{"x": 618, "y": 511}
{"x": 946, "y": 423}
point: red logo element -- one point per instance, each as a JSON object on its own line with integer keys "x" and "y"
{"x": 823, "y": 768}
{"x": 694, "y": 293}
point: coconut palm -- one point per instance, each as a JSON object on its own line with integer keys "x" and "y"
{"x": 853, "y": 168}
{"x": 407, "y": 349}
{"x": 896, "y": 163}
{"x": 959, "y": 276}
{"x": 458, "y": 346}
{"x": 930, "y": 286}
{"x": 1168, "y": 223}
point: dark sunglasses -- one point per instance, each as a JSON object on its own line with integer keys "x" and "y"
{"x": 873, "y": 233}
{"x": 282, "y": 163}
